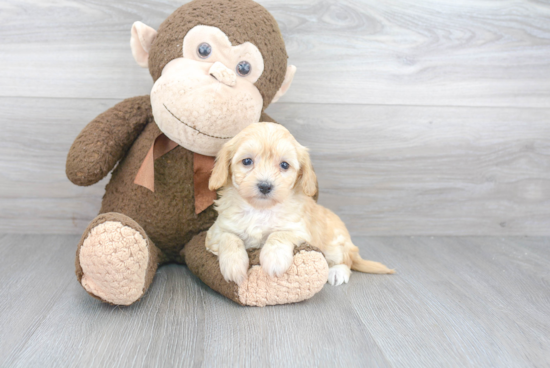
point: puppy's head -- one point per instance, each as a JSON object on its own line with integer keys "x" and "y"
{"x": 265, "y": 164}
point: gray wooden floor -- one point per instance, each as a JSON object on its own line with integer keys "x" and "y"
{"x": 455, "y": 302}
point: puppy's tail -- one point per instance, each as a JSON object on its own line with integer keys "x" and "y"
{"x": 362, "y": 265}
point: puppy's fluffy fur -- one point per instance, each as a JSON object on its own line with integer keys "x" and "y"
{"x": 266, "y": 201}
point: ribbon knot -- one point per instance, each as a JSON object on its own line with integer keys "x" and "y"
{"x": 202, "y": 169}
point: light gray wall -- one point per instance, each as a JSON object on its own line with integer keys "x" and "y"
{"x": 423, "y": 117}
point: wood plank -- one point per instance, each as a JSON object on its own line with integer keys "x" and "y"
{"x": 323, "y": 331}
{"x": 36, "y": 136}
{"x": 455, "y": 301}
{"x": 386, "y": 170}
{"x": 467, "y": 294}
{"x": 35, "y": 270}
{"x": 444, "y": 53}
{"x": 408, "y": 170}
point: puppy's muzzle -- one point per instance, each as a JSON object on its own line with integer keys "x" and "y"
{"x": 265, "y": 187}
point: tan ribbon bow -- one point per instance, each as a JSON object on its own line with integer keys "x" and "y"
{"x": 202, "y": 169}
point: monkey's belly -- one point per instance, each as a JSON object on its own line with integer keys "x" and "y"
{"x": 167, "y": 215}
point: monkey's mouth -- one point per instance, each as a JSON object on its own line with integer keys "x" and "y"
{"x": 195, "y": 129}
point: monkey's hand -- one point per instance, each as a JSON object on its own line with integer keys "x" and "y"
{"x": 106, "y": 139}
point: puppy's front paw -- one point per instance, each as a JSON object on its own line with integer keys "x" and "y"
{"x": 276, "y": 259}
{"x": 338, "y": 275}
{"x": 212, "y": 247}
{"x": 234, "y": 266}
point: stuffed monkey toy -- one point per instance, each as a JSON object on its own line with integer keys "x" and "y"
{"x": 216, "y": 66}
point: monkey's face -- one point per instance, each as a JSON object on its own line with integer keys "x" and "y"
{"x": 207, "y": 96}
{"x": 211, "y": 78}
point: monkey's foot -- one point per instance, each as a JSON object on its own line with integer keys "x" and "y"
{"x": 306, "y": 276}
{"x": 115, "y": 260}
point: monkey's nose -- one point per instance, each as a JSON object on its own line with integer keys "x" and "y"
{"x": 265, "y": 187}
{"x": 223, "y": 74}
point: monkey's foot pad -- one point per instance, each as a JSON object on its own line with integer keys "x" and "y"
{"x": 307, "y": 276}
{"x": 113, "y": 261}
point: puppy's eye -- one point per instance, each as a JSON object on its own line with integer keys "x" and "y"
{"x": 244, "y": 68}
{"x": 247, "y": 162}
{"x": 204, "y": 50}
{"x": 284, "y": 165}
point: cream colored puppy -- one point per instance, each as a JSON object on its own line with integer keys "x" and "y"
{"x": 266, "y": 201}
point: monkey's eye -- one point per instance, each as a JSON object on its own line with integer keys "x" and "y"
{"x": 204, "y": 50}
{"x": 284, "y": 165}
{"x": 247, "y": 162}
{"x": 244, "y": 68}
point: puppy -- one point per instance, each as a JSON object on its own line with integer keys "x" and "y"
{"x": 266, "y": 201}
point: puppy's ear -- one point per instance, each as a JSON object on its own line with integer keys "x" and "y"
{"x": 220, "y": 173}
{"x": 308, "y": 177}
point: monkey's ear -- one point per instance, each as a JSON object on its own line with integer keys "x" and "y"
{"x": 220, "y": 173}
{"x": 289, "y": 76}
{"x": 141, "y": 41}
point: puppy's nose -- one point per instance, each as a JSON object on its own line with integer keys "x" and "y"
{"x": 265, "y": 187}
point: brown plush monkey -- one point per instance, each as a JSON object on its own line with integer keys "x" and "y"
{"x": 217, "y": 65}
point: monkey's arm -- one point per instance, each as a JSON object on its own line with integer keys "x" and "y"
{"x": 106, "y": 139}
